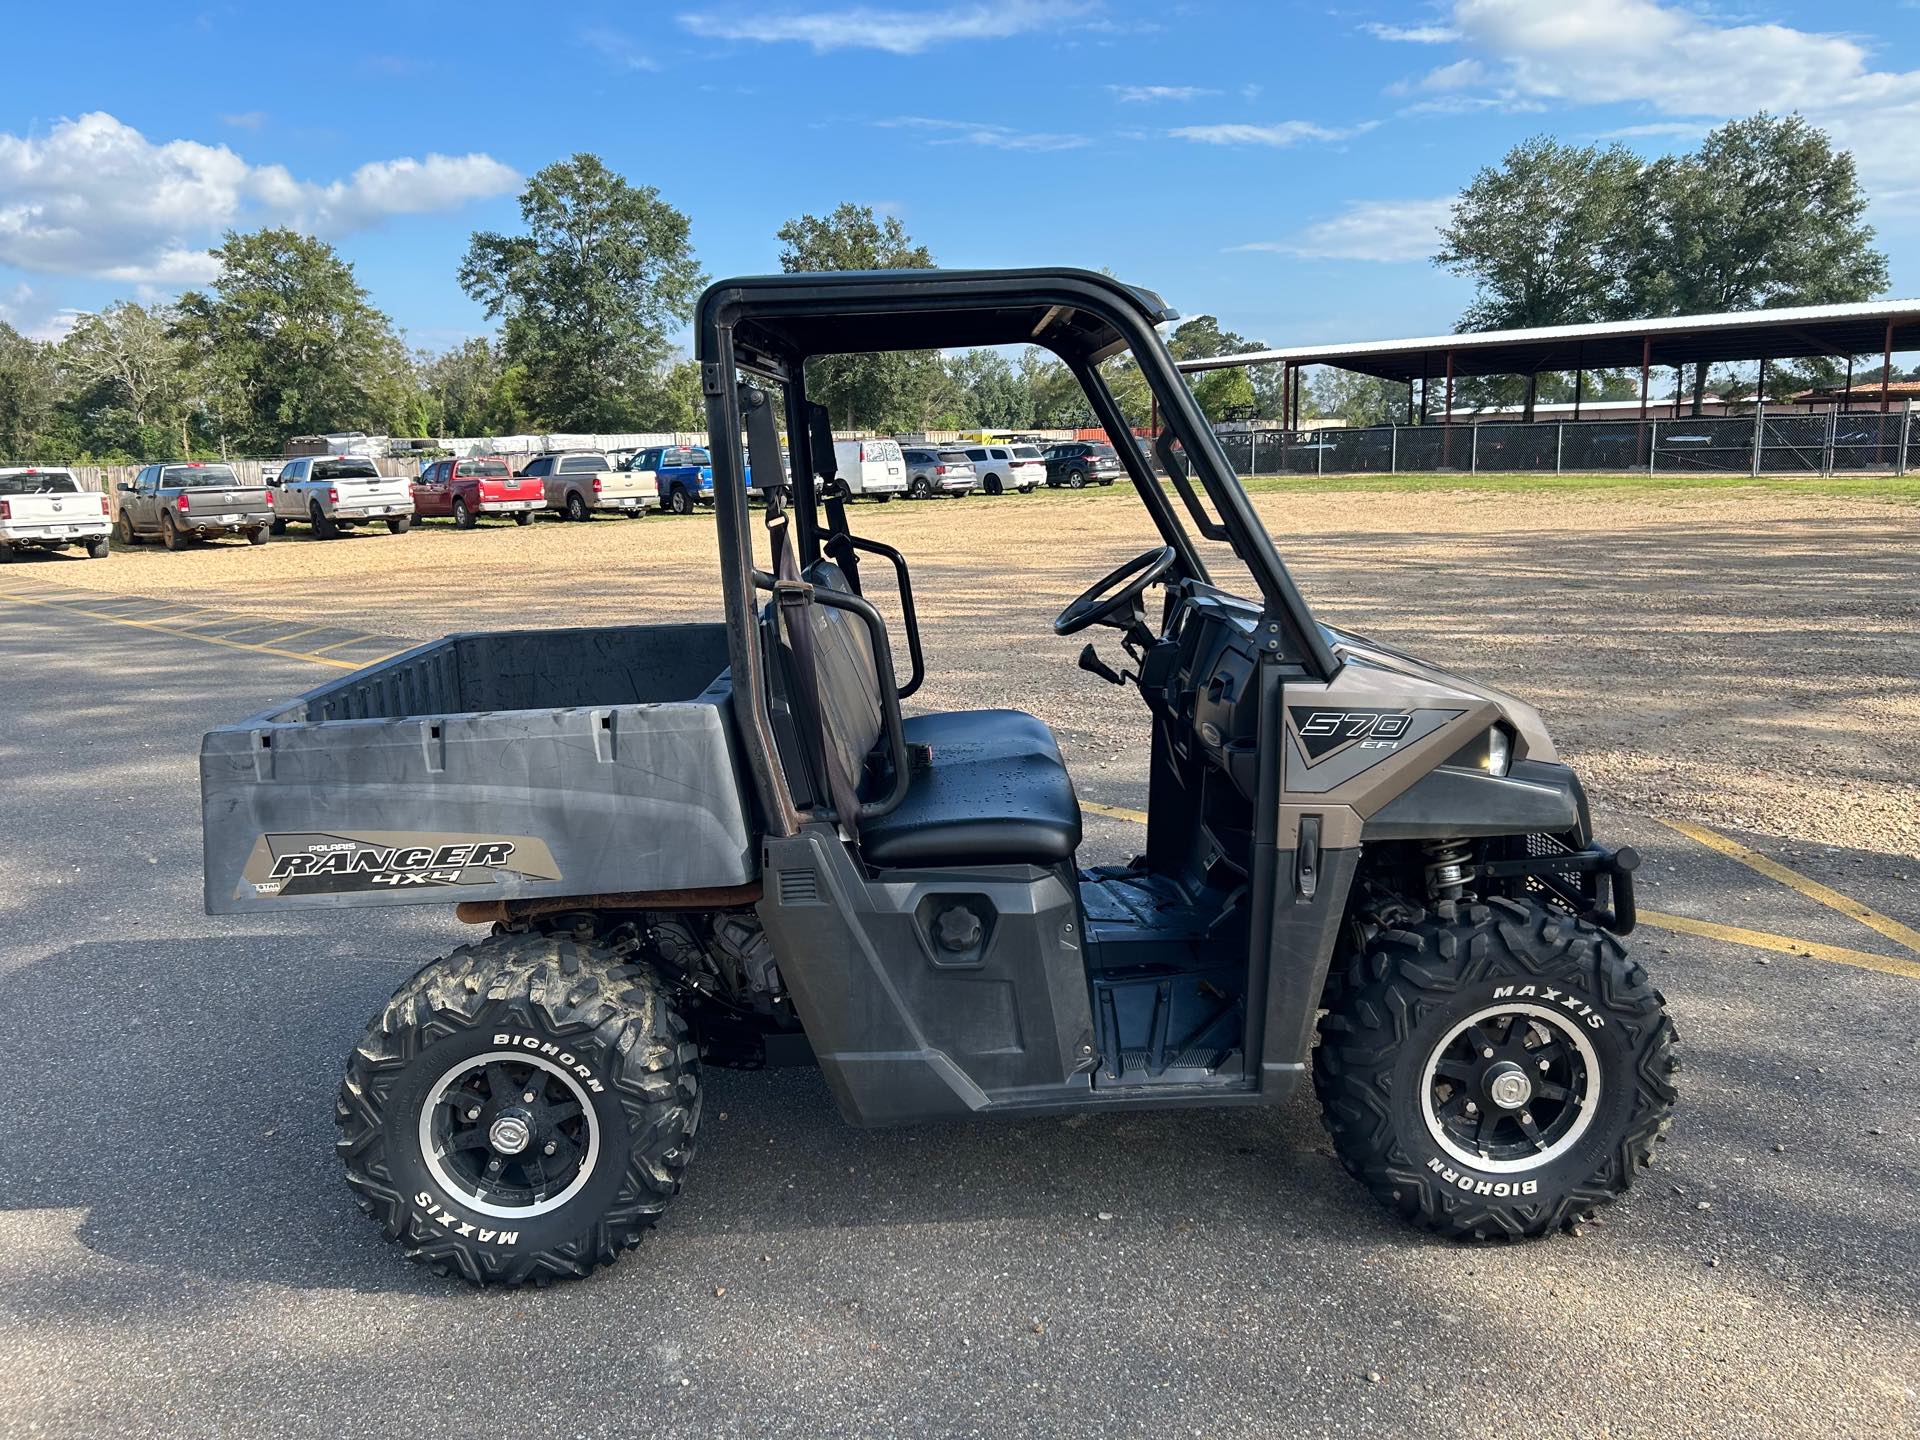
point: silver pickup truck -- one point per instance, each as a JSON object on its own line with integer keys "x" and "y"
{"x": 43, "y": 509}
{"x": 333, "y": 493}
{"x": 579, "y": 482}
{"x": 185, "y": 500}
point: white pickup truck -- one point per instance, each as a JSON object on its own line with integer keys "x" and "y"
{"x": 333, "y": 493}
{"x": 45, "y": 509}
{"x": 579, "y": 482}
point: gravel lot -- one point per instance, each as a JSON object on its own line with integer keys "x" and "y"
{"x": 1748, "y": 659}
{"x": 178, "y": 1256}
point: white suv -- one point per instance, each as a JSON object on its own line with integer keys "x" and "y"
{"x": 1001, "y": 468}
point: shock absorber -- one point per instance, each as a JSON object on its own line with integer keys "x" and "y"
{"x": 1447, "y": 862}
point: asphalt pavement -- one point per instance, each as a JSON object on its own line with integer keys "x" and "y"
{"x": 179, "y": 1257}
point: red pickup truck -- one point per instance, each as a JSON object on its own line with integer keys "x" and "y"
{"x": 479, "y": 485}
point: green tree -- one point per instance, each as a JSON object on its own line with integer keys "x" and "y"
{"x": 286, "y": 342}
{"x": 127, "y": 373}
{"x": 1058, "y": 401}
{"x": 988, "y": 392}
{"x": 589, "y": 294}
{"x": 894, "y": 391}
{"x": 1766, "y": 213}
{"x": 30, "y": 390}
{"x": 1226, "y": 395}
{"x": 467, "y": 392}
{"x": 1357, "y": 399}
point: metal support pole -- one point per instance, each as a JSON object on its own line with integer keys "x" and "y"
{"x": 1559, "y": 444}
{"x": 1409, "y": 400}
{"x": 1886, "y": 375}
{"x": 1759, "y": 423}
{"x": 1319, "y": 453}
{"x": 1393, "y": 440}
{"x": 1646, "y": 367}
{"x": 1826, "y": 450}
{"x": 1653, "y": 444}
{"x": 1473, "y": 455}
{"x": 1906, "y": 437}
{"x": 1446, "y": 420}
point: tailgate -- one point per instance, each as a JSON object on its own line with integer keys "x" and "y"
{"x": 44, "y": 511}
{"x": 624, "y": 484}
{"x": 511, "y": 488}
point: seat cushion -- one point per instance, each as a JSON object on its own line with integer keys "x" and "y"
{"x": 996, "y": 793}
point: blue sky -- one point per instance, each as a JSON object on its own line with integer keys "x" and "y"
{"x": 1279, "y": 164}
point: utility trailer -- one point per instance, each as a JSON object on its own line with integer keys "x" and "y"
{"x": 701, "y": 845}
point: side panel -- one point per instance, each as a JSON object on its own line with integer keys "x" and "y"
{"x": 907, "y": 1028}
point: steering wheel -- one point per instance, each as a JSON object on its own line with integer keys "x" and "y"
{"x": 1132, "y": 580}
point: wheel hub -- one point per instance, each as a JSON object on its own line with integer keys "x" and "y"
{"x": 510, "y": 1132}
{"x": 1507, "y": 1085}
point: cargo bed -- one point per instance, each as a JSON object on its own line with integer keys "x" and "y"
{"x": 486, "y": 767}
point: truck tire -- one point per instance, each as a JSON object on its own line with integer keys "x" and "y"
{"x": 124, "y": 532}
{"x": 1496, "y": 1075}
{"x": 323, "y": 526}
{"x": 523, "y": 517}
{"x": 170, "y": 535}
{"x": 463, "y": 517}
{"x": 277, "y": 525}
{"x": 991, "y": 485}
{"x": 679, "y": 501}
{"x": 577, "y": 506}
{"x": 258, "y": 535}
{"x": 99, "y": 547}
{"x": 6, "y": 554}
{"x": 434, "y": 1123}
{"x": 400, "y": 526}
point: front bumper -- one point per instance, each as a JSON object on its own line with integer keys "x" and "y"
{"x": 1592, "y": 882}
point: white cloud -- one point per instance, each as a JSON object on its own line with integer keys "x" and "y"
{"x": 899, "y": 32}
{"x": 245, "y": 119}
{"x": 1684, "y": 62}
{"x": 95, "y": 197}
{"x": 1278, "y": 136}
{"x": 1151, "y": 94}
{"x": 1386, "y": 231}
{"x": 1413, "y": 34}
{"x": 618, "y": 49}
{"x": 995, "y": 137}
{"x": 22, "y": 308}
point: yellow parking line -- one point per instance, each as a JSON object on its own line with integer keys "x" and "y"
{"x": 313, "y": 657}
{"x": 1825, "y": 894}
{"x": 350, "y": 640}
{"x": 1784, "y": 944}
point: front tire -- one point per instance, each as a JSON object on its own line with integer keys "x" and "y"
{"x": 1494, "y": 1075}
{"x": 443, "y": 1148}
{"x": 123, "y": 530}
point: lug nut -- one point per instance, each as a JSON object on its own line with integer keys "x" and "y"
{"x": 551, "y": 1147}
{"x": 1486, "y": 1054}
{"x": 474, "y": 1113}
{"x": 1525, "y": 1118}
{"x": 1472, "y": 1109}
{"x": 493, "y": 1165}
{"x": 1546, "y": 1064}
{"x": 528, "y": 1097}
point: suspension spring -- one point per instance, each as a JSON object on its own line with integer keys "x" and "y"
{"x": 1447, "y": 863}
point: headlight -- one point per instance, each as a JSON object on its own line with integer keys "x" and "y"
{"x": 1499, "y": 750}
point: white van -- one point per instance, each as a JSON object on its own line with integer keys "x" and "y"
{"x": 870, "y": 467}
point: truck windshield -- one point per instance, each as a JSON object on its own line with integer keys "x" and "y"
{"x": 485, "y": 469}
{"x": 575, "y": 463}
{"x": 196, "y": 477}
{"x": 47, "y": 482}
{"x": 345, "y": 470}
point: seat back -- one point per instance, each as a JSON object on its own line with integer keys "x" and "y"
{"x": 848, "y": 680}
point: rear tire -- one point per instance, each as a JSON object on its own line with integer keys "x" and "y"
{"x": 577, "y": 507}
{"x": 463, "y": 517}
{"x": 442, "y": 1150}
{"x": 1435, "y": 1012}
{"x": 277, "y": 525}
{"x": 680, "y": 502}
{"x": 100, "y": 547}
{"x": 400, "y": 526}
{"x": 920, "y": 489}
{"x": 1076, "y": 479}
{"x": 258, "y": 535}
{"x": 991, "y": 485}
{"x": 170, "y": 535}
{"x": 523, "y": 517}
{"x": 324, "y": 527}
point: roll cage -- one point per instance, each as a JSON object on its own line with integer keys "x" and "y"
{"x": 769, "y": 326}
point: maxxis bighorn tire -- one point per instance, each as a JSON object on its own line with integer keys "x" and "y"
{"x": 554, "y": 1001}
{"x": 1419, "y": 977}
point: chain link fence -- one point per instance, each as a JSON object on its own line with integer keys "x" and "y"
{"x": 1838, "y": 442}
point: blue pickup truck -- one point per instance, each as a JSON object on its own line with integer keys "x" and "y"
{"x": 684, "y": 473}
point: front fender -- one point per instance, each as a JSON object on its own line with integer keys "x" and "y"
{"x": 1534, "y": 796}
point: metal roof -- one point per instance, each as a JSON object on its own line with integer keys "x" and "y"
{"x": 1784, "y": 334}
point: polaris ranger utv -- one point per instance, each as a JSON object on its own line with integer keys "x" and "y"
{"x": 702, "y": 844}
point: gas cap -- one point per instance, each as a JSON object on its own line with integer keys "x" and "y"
{"x": 958, "y": 929}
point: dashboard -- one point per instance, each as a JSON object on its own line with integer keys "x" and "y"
{"x": 1202, "y": 676}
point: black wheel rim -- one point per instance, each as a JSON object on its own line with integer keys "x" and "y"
{"x": 1510, "y": 1088}
{"x": 497, "y": 1150}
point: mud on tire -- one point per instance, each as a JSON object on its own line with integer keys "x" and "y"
{"x": 1403, "y": 1085}
{"x": 600, "y": 1043}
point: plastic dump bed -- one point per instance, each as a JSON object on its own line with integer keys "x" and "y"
{"x": 485, "y": 767}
